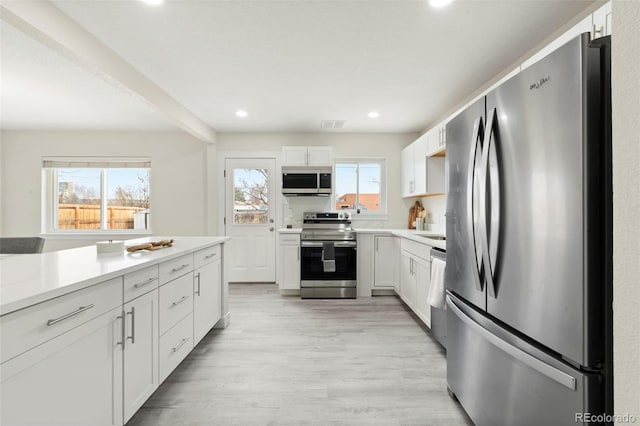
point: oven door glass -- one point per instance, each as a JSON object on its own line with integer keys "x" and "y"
{"x": 312, "y": 267}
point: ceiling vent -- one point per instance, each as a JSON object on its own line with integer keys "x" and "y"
{"x": 332, "y": 124}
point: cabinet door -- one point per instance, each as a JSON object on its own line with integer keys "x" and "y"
{"x": 423, "y": 280}
{"x": 206, "y": 299}
{"x": 385, "y": 261}
{"x": 602, "y": 21}
{"x": 408, "y": 281}
{"x": 74, "y": 379}
{"x": 420, "y": 167}
{"x": 140, "y": 351}
{"x": 433, "y": 141}
{"x": 294, "y": 156}
{"x": 407, "y": 167}
{"x": 290, "y": 266}
{"x": 319, "y": 156}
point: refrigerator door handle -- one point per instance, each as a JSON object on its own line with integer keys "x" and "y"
{"x": 491, "y": 225}
{"x": 551, "y": 372}
{"x": 473, "y": 200}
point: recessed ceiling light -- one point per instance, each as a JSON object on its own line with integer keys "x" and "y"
{"x": 439, "y": 3}
{"x": 153, "y": 2}
{"x": 373, "y": 114}
{"x": 241, "y": 113}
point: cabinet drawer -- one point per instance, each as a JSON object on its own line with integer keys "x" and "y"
{"x": 289, "y": 239}
{"x": 176, "y": 301}
{"x": 417, "y": 249}
{"x": 172, "y": 269}
{"x": 32, "y": 326}
{"x": 140, "y": 282}
{"x": 175, "y": 345}
{"x": 207, "y": 255}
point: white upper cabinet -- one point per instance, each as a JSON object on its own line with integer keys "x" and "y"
{"x": 413, "y": 161}
{"x": 311, "y": 156}
{"x": 602, "y": 21}
{"x": 436, "y": 139}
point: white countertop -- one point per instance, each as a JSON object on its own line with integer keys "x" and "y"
{"x": 421, "y": 237}
{"x": 290, "y": 230}
{"x": 28, "y": 279}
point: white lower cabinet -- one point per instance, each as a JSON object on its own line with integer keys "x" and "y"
{"x": 415, "y": 278}
{"x": 94, "y": 356}
{"x": 422, "y": 275}
{"x": 140, "y": 351}
{"x": 288, "y": 275}
{"x": 386, "y": 252}
{"x": 73, "y": 379}
{"x": 175, "y": 345}
{"x": 206, "y": 298}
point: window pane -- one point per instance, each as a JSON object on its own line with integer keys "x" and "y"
{"x": 251, "y": 196}
{"x": 346, "y": 185}
{"x": 369, "y": 197}
{"x": 127, "y": 198}
{"x": 78, "y": 198}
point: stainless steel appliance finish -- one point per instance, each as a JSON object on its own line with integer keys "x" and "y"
{"x": 298, "y": 182}
{"x": 439, "y": 315}
{"x": 528, "y": 244}
{"x": 330, "y": 275}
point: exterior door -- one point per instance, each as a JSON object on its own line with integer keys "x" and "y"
{"x": 250, "y": 218}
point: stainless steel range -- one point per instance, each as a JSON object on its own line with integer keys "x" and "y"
{"x": 328, "y": 256}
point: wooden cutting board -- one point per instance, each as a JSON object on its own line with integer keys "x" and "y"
{"x": 414, "y": 211}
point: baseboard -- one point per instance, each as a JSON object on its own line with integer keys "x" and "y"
{"x": 224, "y": 321}
{"x": 383, "y": 292}
{"x": 290, "y": 293}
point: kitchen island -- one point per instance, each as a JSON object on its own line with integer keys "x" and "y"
{"x": 87, "y": 337}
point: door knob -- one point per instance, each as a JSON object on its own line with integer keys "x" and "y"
{"x": 270, "y": 220}
{"x": 271, "y": 229}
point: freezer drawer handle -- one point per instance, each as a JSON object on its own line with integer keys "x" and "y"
{"x": 551, "y": 372}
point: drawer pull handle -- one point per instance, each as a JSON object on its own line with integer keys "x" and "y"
{"x": 181, "y": 344}
{"x": 70, "y": 314}
{"x": 180, "y": 301}
{"x": 142, "y": 284}
{"x": 133, "y": 325}
{"x": 209, "y": 256}
{"x": 180, "y": 267}
{"x": 198, "y": 277}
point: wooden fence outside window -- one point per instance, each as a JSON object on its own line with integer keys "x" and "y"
{"x": 81, "y": 216}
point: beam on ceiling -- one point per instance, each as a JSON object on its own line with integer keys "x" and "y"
{"x": 47, "y": 24}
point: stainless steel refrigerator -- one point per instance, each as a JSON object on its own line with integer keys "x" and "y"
{"x": 528, "y": 275}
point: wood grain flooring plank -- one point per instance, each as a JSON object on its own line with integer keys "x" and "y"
{"x": 288, "y": 361}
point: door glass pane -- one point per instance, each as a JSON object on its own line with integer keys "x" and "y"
{"x": 78, "y": 198}
{"x": 251, "y": 196}
{"x": 346, "y": 185}
{"x": 369, "y": 197}
{"x": 127, "y": 198}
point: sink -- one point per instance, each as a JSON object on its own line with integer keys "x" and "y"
{"x": 434, "y": 237}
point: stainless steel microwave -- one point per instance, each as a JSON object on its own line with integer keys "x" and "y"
{"x": 306, "y": 182}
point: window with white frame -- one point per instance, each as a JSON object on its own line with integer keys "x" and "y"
{"x": 96, "y": 195}
{"x": 360, "y": 186}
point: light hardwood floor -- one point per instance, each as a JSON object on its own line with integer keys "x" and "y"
{"x": 287, "y": 361}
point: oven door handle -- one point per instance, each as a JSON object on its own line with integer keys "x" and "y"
{"x": 335, "y": 244}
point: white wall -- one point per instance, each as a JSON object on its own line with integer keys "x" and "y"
{"x": 626, "y": 205}
{"x": 345, "y": 145}
{"x": 178, "y": 177}
{"x": 436, "y": 207}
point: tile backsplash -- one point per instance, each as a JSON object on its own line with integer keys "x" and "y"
{"x": 436, "y": 208}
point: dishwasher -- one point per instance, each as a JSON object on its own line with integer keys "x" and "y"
{"x": 439, "y": 315}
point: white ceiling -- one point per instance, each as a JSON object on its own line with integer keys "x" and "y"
{"x": 290, "y": 64}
